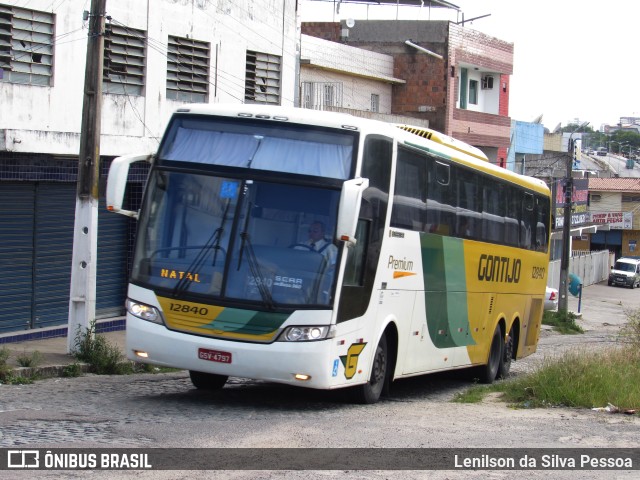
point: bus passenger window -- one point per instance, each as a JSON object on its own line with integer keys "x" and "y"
{"x": 354, "y": 272}
{"x": 527, "y": 222}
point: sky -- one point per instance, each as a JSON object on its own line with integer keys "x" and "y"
{"x": 574, "y": 60}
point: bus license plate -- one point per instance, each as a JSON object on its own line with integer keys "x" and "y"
{"x": 214, "y": 355}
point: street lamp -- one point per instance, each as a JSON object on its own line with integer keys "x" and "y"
{"x": 566, "y": 226}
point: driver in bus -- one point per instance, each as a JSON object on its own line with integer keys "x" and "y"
{"x": 318, "y": 243}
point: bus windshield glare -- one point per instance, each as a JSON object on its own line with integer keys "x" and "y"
{"x": 275, "y": 147}
{"x": 243, "y": 240}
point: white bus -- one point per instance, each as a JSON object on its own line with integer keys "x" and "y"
{"x": 436, "y": 258}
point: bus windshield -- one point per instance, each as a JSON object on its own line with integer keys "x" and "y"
{"x": 241, "y": 240}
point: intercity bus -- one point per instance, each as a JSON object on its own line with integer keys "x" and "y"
{"x": 440, "y": 257}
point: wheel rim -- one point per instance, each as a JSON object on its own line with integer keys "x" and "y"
{"x": 495, "y": 353}
{"x": 508, "y": 348}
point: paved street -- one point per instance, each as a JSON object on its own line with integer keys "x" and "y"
{"x": 164, "y": 410}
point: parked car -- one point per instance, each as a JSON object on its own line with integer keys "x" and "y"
{"x": 625, "y": 272}
{"x": 551, "y": 299}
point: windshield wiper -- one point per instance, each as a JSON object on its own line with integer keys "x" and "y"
{"x": 254, "y": 264}
{"x": 213, "y": 242}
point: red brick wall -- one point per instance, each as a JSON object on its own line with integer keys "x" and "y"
{"x": 429, "y": 84}
{"x": 325, "y": 30}
{"x": 504, "y": 95}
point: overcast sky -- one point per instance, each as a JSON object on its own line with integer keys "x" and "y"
{"x": 572, "y": 58}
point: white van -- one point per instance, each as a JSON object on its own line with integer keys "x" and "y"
{"x": 625, "y": 272}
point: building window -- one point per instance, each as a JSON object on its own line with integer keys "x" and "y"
{"x": 318, "y": 95}
{"x": 123, "y": 60}
{"x": 375, "y": 102}
{"x": 262, "y": 83}
{"x": 187, "y": 70}
{"x": 329, "y": 95}
{"x": 26, "y": 46}
{"x": 630, "y": 198}
{"x": 473, "y": 92}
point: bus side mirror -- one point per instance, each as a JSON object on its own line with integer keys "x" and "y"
{"x": 117, "y": 182}
{"x": 350, "y": 199}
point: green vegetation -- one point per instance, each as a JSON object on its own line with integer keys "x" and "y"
{"x": 4, "y": 368}
{"x": 102, "y": 357}
{"x": 580, "y": 378}
{"x": 29, "y": 359}
{"x": 72, "y": 370}
{"x": 6, "y": 371}
{"x": 562, "y": 322}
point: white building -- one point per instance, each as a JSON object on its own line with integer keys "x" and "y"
{"x": 342, "y": 78}
{"x": 158, "y": 55}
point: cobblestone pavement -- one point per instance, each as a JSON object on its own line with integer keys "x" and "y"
{"x": 164, "y": 410}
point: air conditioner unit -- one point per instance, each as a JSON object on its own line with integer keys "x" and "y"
{"x": 487, "y": 82}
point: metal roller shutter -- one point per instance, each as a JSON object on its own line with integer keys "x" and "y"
{"x": 112, "y": 273}
{"x": 54, "y": 214}
{"x": 36, "y": 249}
{"x": 16, "y": 255}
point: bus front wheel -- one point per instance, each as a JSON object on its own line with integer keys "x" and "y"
{"x": 489, "y": 372}
{"x": 370, "y": 392}
{"x": 207, "y": 381}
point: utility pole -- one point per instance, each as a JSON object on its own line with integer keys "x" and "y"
{"x": 82, "y": 295}
{"x": 563, "y": 301}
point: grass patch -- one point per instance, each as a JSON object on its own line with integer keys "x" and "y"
{"x": 32, "y": 359}
{"x": 5, "y": 370}
{"x": 72, "y": 370}
{"x": 580, "y": 378}
{"x": 630, "y": 332}
{"x": 562, "y": 321}
{"x": 102, "y": 357}
{"x": 583, "y": 379}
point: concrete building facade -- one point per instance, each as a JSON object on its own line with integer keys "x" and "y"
{"x": 158, "y": 55}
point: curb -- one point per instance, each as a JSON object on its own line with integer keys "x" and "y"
{"x": 49, "y": 371}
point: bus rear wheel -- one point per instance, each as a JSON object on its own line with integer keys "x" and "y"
{"x": 489, "y": 372}
{"x": 207, "y": 381}
{"x": 507, "y": 356}
{"x": 370, "y": 392}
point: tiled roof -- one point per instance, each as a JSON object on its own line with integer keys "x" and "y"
{"x": 615, "y": 184}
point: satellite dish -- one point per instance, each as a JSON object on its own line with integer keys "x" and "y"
{"x": 350, "y": 22}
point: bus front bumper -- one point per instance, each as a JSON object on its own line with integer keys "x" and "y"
{"x": 281, "y": 362}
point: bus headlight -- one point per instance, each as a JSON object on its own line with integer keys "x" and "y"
{"x": 308, "y": 333}
{"x": 144, "y": 311}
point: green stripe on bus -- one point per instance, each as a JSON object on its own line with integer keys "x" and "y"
{"x": 247, "y": 321}
{"x": 445, "y": 291}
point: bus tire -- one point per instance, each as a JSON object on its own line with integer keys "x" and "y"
{"x": 207, "y": 381}
{"x": 370, "y": 392}
{"x": 489, "y": 372}
{"x": 507, "y": 356}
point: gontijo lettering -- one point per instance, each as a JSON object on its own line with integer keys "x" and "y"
{"x": 493, "y": 268}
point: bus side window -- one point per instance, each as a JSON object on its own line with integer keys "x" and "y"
{"x": 354, "y": 272}
{"x": 527, "y": 222}
{"x": 512, "y": 202}
{"x": 469, "y": 204}
{"x": 542, "y": 224}
{"x": 440, "y": 212}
